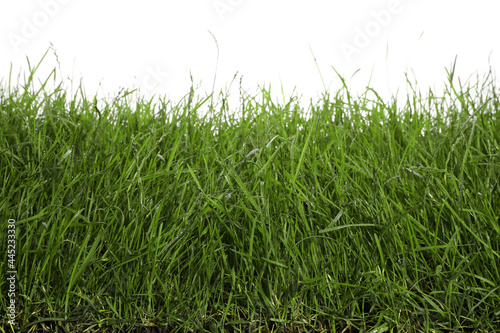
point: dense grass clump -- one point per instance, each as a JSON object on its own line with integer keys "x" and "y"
{"x": 351, "y": 215}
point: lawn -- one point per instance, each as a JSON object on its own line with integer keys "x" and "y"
{"x": 350, "y": 214}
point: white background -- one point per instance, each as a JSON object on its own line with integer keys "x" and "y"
{"x": 155, "y": 45}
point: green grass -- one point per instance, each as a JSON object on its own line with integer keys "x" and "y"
{"x": 349, "y": 215}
